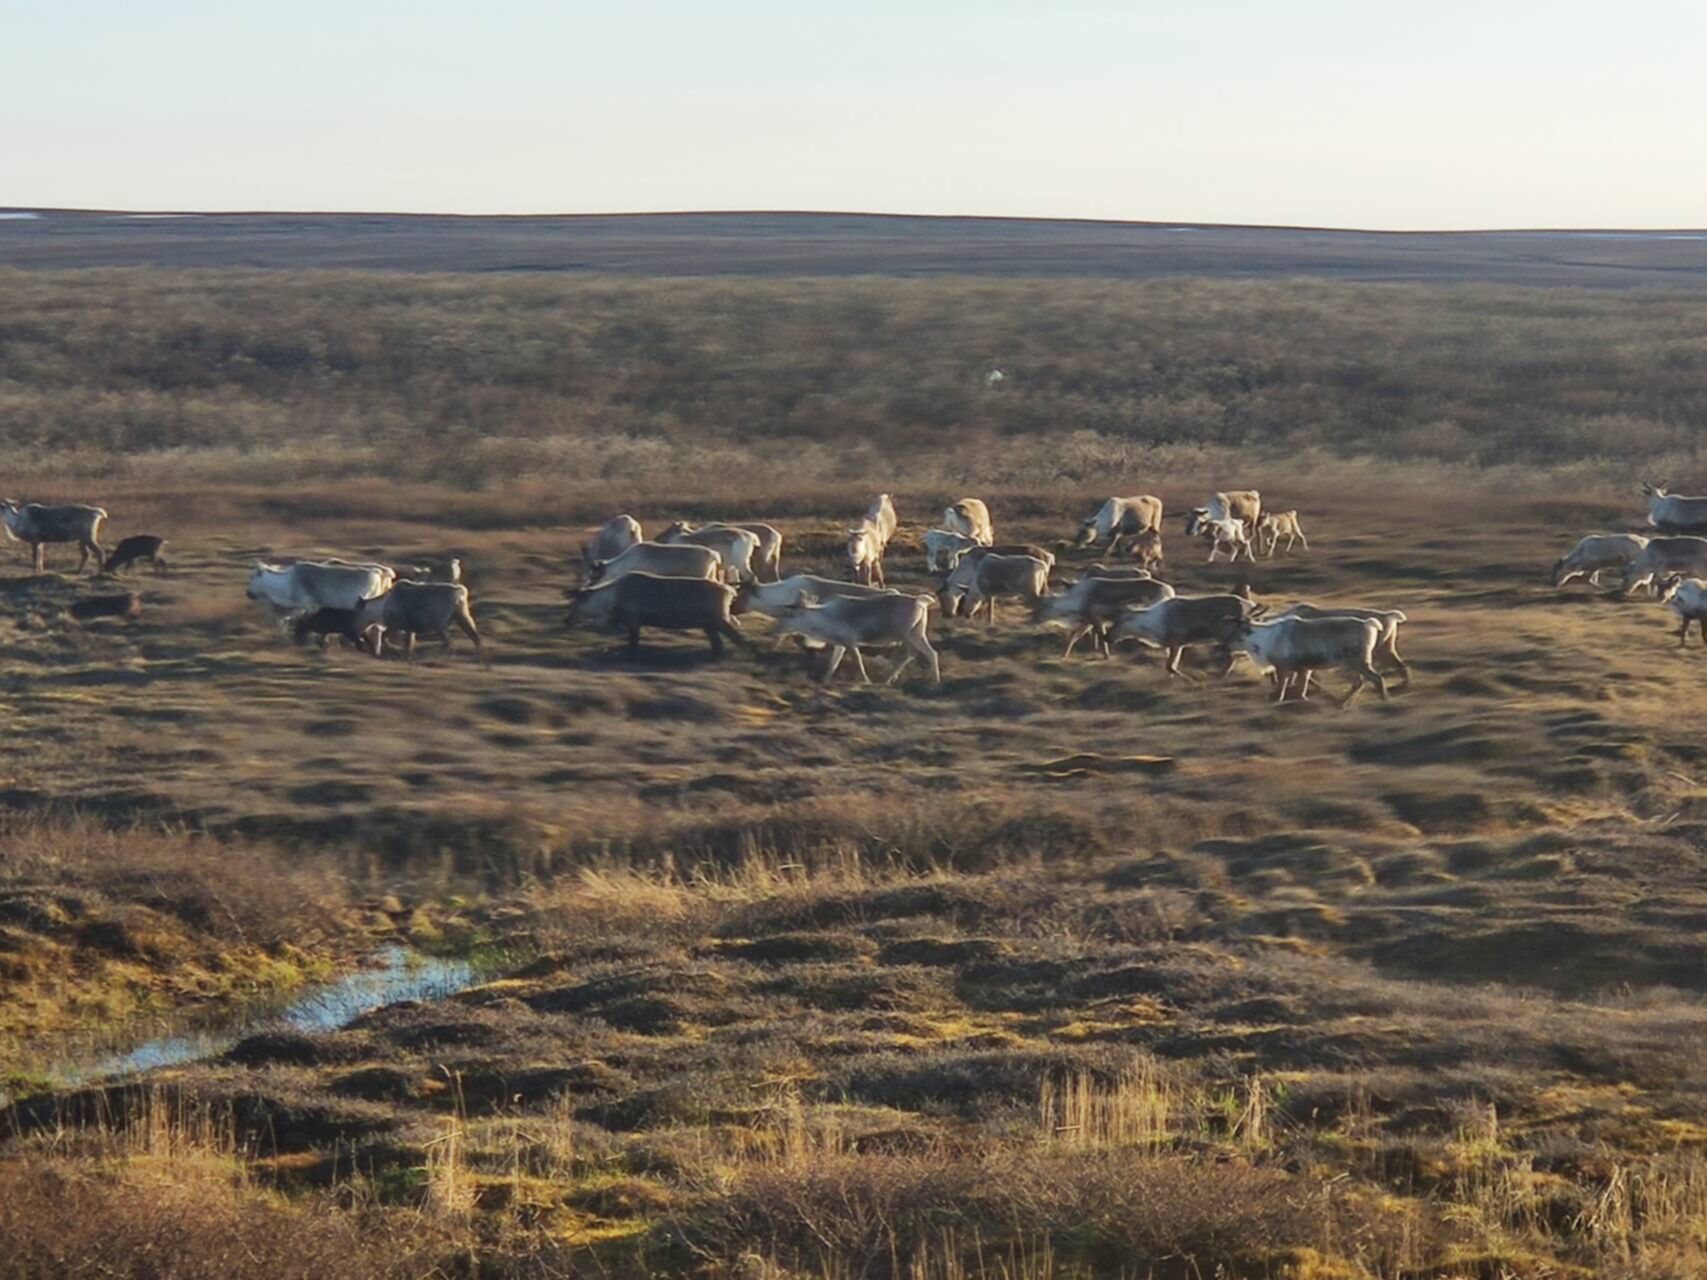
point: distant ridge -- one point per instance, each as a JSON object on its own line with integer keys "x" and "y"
{"x": 800, "y": 243}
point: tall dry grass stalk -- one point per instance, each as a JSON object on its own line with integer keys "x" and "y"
{"x": 789, "y": 1133}
{"x": 952, "y": 1257}
{"x": 1251, "y": 1125}
{"x": 157, "y": 1124}
{"x": 1493, "y": 1185}
{"x": 1650, "y": 1215}
{"x": 449, "y": 1192}
{"x": 449, "y": 1187}
{"x": 1082, "y": 1111}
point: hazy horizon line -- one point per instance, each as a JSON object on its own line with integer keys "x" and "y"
{"x": 1184, "y": 223}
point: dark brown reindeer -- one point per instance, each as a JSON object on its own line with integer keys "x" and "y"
{"x": 139, "y": 546}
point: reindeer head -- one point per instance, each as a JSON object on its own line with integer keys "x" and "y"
{"x": 1236, "y": 638}
{"x": 796, "y": 620}
{"x": 587, "y": 608}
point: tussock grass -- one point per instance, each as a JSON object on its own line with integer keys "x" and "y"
{"x": 640, "y": 386}
{"x": 105, "y": 927}
{"x": 249, "y": 896}
{"x": 837, "y": 981}
{"x": 882, "y": 1094}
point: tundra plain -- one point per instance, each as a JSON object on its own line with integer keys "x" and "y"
{"x": 845, "y": 244}
{"x": 1061, "y": 968}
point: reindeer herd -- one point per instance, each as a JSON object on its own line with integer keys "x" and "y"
{"x": 633, "y": 584}
{"x": 706, "y": 577}
{"x": 1672, "y": 565}
{"x": 1108, "y": 603}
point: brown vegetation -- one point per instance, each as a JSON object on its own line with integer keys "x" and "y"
{"x": 1064, "y": 965}
{"x": 1062, "y": 968}
{"x": 626, "y": 387}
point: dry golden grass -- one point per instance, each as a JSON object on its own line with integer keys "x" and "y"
{"x": 716, "y": 388}
{"x": 1135, "y": 1109}
{"x": 859, "y": 981}
{"x": 842, "y": 980}
{"x": 102, "y": 929}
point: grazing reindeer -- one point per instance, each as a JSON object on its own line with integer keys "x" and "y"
{"x": 617, "y": 535}
{"x": 1275, "y": 523}
{"x": 1662, "y": 558}
{"x": 971, "y": 517}
{"x": 1595, "y": 553}
{"x": 1118, "y": 519}
{"x": 1673, "y": 510}
{"x": 127, "y": 607}
{"x": 865, "y": 552}
{"x": 1688, "y": 600}
{"x": 1219, "y": 534}
{"x": 1293, "y": 649}
{"x": 139, "y": 546}
{"x": 67, "y": 522}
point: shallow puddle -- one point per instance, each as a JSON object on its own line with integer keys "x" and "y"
{"x": 399, "y": 974}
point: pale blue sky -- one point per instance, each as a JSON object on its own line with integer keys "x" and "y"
{"x": 1444, "y": 114}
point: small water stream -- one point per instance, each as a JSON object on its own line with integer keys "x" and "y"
{"x": 399, "y": 974}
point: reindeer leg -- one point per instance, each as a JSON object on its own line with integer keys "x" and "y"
{"x": 466, "y": 624}
{"x": 1367, "y": 674}
{"x": 1404, "y": 667}
{"x": 837, "y": 653}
